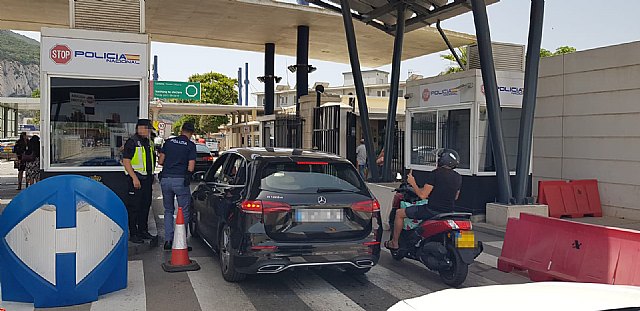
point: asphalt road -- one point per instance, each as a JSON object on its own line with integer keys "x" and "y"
{"x": 150, "y": 288}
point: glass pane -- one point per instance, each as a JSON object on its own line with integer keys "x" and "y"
{"x": 423, "y": 138}
{"x": 454, "y": 126}
{"x": 510, "y": 129}
{"x": 91, "y": 120}
{"x": 291, "y": 177}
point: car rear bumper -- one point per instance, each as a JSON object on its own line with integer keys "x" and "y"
{"x": 286, "y": 256}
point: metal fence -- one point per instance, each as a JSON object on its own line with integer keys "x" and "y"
{"x": 287, "y": 127}
{"x": 326, "y": 129}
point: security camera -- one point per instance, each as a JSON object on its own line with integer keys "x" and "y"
{"x": 408, "y": 95}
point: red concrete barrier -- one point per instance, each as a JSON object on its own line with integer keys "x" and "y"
{"x": 576, "y": 198}
{"x": 555, "y": 249}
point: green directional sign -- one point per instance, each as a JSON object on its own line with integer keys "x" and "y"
{"x": 176, "y": 90}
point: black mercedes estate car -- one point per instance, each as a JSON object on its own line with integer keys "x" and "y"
{"x": 269, "y": 210}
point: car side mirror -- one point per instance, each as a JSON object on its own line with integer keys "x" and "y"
{"x": 198, "y": 176}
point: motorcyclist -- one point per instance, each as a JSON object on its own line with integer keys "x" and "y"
{"x": 442, "y": 187}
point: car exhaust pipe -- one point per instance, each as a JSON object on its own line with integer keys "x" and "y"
{"x": 271, "y": 269}
{"x": 364, "y": 263}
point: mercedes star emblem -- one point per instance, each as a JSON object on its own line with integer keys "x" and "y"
{"x": 322, "y": 200}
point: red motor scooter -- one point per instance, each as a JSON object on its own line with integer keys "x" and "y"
{"x": 444, "y": 244}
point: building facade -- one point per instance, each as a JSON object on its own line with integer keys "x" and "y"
{"x": 587, "y": 124}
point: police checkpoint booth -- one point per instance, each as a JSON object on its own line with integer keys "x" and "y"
{"x": 63, "y": 241}
{"x": 94, "y": 89}
{"x": 449, "y": 111}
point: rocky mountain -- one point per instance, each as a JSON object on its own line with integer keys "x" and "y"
{"x": 19, "y": 64}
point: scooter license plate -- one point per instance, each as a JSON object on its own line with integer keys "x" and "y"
{"x": 465, "y": 239}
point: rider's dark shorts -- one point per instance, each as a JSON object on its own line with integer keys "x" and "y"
{"x": 421, "y": 212}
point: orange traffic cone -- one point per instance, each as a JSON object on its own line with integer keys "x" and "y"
{"x": 179, "y": 252}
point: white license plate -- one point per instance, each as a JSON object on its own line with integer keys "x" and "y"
{"x": 319, "y": 215}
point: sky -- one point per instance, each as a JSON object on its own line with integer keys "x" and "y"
{"x": 566, "y": 22}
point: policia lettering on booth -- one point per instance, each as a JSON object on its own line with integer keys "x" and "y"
{"x": 139, "y": 164}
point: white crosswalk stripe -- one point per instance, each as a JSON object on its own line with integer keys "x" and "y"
{"x": 395, "y": 284}
{"x": 134, "y": 298}
{"x": 318, "y": 294}
{"x": 213, "y": 292}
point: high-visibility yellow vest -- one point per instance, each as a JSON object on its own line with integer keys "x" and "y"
{"x": 138, "y": 161}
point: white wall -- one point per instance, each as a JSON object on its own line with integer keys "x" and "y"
{"x": 588, "y": 123}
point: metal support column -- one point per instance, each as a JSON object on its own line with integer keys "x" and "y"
{"x": 16, "y": 122}
{"x": 487, "y": 67}
{"x": 240, "y": 86}
{"x": 529, "y": 99}
{"x": 246, "y": 84}
{"x": 451, "y": 49}
{"x": 389, "y": 141}
{"x": 359, "y": 84}
{"x": 269, "y": 77}
{"x": 302, "y": 72}
{"x": 155, "y": 67}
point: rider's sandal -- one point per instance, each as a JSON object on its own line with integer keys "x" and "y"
{"x": 386, "y": 244}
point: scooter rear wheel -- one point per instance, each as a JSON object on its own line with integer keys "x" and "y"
{"x": 457, "y": 274}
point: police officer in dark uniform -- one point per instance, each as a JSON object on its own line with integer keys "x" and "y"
{"x": 178, "y": 160}
{"x": 139, "y": 164}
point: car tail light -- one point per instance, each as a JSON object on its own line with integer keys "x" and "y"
{"x": 312, "y": 163}
{"x": 369, "y": 206}
{"x": 208, "y": 158}
{"x": 259, "y": 207}
{"x": 275, "y": 207}
{"x": 252, "y": 207}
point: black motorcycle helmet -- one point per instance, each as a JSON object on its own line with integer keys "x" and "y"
{"x": 448, "y": 158}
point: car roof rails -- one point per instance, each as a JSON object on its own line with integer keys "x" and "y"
{"x": 297, "y": 152}
{"x": 270, "y": 149}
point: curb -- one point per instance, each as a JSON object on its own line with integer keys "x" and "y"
{"x": 489, "y": 229}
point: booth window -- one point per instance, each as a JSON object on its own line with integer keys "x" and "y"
{"x": 510, "y": 128}
{"x": 442, "y": 129}
{"x": 91, "y": 119}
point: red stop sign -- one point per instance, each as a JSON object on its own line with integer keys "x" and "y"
{"x": 60, "y": 54}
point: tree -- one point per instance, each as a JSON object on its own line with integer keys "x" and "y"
{"x": 216, "y": 89}
{"x": 462, "y": 54}
{"x": 559, "y": 51}
{"x": 36, "y": 114}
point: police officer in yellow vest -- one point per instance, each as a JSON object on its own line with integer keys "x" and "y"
{"x": 139, "y": 164}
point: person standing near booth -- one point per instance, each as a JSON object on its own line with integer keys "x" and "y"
{"x": 139, "y": 164}
{"x": 178, "y": 160}
{"x": 19, "y": 149}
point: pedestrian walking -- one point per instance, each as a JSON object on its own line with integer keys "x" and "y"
{"x": 139, "y": 164}
{"x": 361, "y": 158}
{"x": 32, "y": 159}
{"x": 178, "y": 160}
{"x": 19, "y": 149}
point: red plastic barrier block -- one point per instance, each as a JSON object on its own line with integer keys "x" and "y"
{"x": 542, "y": 186}
{"x": 570, "y": 207}
{"x": 628, "y": 270}
{"x": 593, "y": 195}
{"x": 582, "y": 200}
{"x": 516, "y": 241}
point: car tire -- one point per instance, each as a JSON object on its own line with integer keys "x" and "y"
{"x": 193, "y": 225}
{"x": 227, "y": 264}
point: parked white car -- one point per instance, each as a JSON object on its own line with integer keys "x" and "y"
{"x": 547, "y": 296}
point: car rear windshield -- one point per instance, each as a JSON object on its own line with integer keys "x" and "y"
{"x": 202, "y": 149}
{"x": 310, "y": 177}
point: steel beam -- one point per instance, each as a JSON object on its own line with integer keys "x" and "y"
{"x": 359, "y": 84}
{"x": 269, "y": 82}
{"x": 379, "y": 11}
{"x": 246, "y": 84}
{"x": 451, "y": 49}
{"x": 487, "y": 67}
{"x": 327, "y": 6}
{"x": 302, "y": 72}
{"x": 240, "y": 86}
{"x": 434, "y": 13}
{"x": 529, "y": 99}
{"x": 389, "y": 142}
